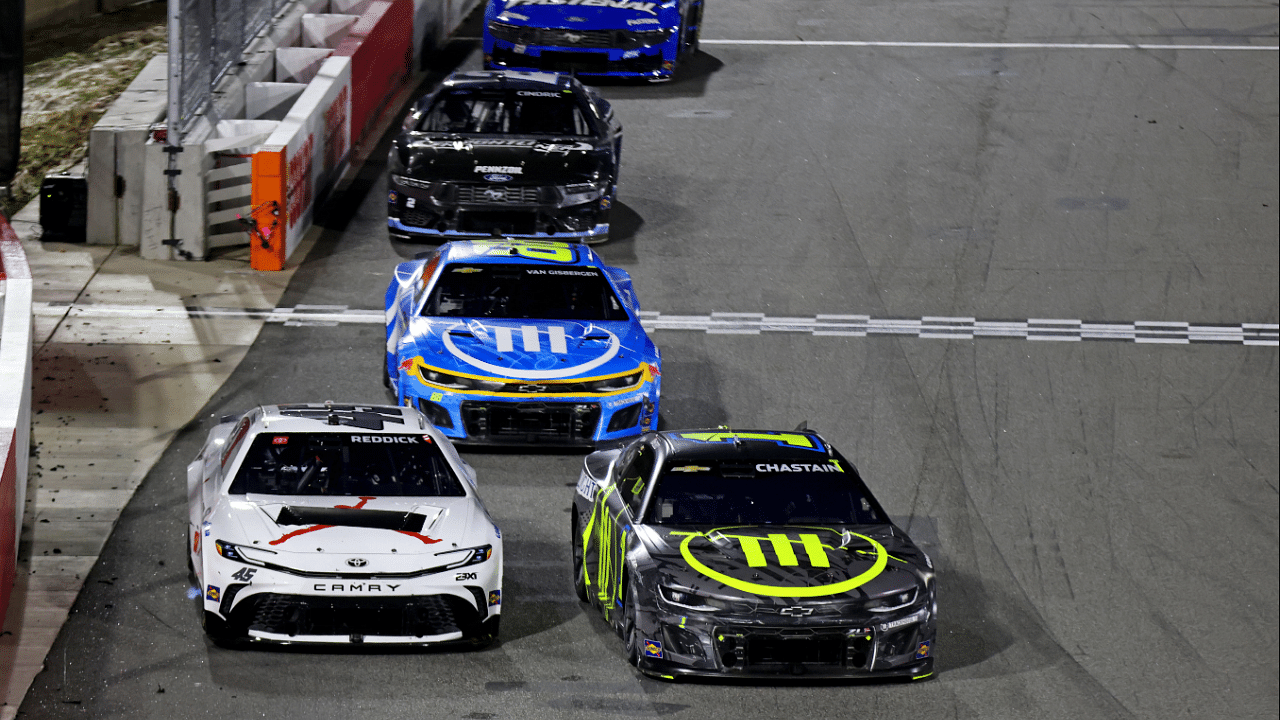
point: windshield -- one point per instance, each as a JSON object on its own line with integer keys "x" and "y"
{"x": 345, "y": 464}
{"x": 523, "y": 292}
{"x": 505, "y": 111}
{"x": 744, "y": 492}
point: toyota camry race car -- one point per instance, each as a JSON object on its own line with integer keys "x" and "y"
{"x": 340, "y": 524}
{"x": 510, "y": 342}
{"x": 749, "y": 553}
{"x": 612, "y": 38}
{"x": 518, "y": 154}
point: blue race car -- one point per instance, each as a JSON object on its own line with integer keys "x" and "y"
{"x": 604, "y": 38}
{"x": 520, "y": 342}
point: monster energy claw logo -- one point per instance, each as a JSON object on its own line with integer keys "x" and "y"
{"x": 784, "y": 548}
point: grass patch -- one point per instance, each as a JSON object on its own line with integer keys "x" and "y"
{"x": 66, "y": 89}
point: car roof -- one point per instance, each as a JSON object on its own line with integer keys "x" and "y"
{"x": 514, "y": 79}
{"x": 521, "y": 252}
{"x": 722, "y": 443}
{"x": 338, "y": 418}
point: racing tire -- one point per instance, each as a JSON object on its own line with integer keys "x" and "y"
{"x": 487, "y": 634}
{"x": 578, "y": 558}
{"x": 218, "y": 631}
{"x": 630, "y": 633}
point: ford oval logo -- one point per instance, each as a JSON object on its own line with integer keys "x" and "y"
{"x": 497, "y": 177}
{"x": 357, "y": 562}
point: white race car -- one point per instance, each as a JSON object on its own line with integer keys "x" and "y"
{"x": 341, "y": 524}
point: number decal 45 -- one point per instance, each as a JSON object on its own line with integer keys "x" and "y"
{"x": 244, "y": 574}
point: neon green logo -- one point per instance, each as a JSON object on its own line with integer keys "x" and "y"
{"x": 784, "y": 438}
{"x": 784, "y": 548}
{"x": 531, "y": 249}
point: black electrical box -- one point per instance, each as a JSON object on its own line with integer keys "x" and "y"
{"x": 64, "y": 201}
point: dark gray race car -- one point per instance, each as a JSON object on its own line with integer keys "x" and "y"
{"x": 527, "y": 155}
{"x": 749, "y": 553}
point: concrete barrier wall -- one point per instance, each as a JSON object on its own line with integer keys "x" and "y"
{"x": 299, "y": 163}
{"x": 15, "y": 399}
{"x": 380, "y": 45}
{"x": 128, "y": 189}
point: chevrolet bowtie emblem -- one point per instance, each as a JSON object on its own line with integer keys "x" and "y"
{"x": 796, "y": 611}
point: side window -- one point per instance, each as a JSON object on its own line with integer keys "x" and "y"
{"x": 635, "y": 476}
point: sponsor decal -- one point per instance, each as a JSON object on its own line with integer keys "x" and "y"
{"x": 784, "y": 549}
{"x": 914, "y": 617}
{"x": 512, "y": 16}
{"x": 792, "y": 439}
{"x": 540, "y": 93}
{"x": 391, "y": 196}
{"x": 797, "y": 467}
{"x": 354, "y": 587}
{"x": 497, "y": 177}
{"x": 586, "y": 486}
{"x": 495, "y": 597}
{"x": 630, "y": 54}
{"x": 529, "y": 249}
{"x": 507, "y": 169}
{"x": 924, "y": 649}
{"x": 690, "y": 469}
{"x": 461, "y": 577}
{"x": 575, "y": 18}
{"x": 644, "y": 21}
{"x": 531, "y": 341}
{"x": 385, "y": 439}
{"x": 624, "y": 401}
{"x": 537, "y": 145}
{"x": 497, "y": 532}
{"x": 280, "y": 440}
{"x": 208, "y": 528}
{"x": 652, "y": 648}
{"x": 195, "y": 542}
{"x": 213, "y": 593}
{"x": 618, "y": 4}
{"x": 437, "y": 397}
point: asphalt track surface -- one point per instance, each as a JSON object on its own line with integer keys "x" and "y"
{"x": 1103, "y": 513}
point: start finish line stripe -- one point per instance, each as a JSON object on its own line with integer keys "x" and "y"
{"x": 990, "y": 45}
{"x": 728, "y": 323}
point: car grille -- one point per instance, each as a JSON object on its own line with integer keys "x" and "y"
{"x": 531, "y": 422}
{"x": 586, "y": 62}
{"x": 559, "y": 37}
{"x": 788, "y": 650}
{"x": 498, "y": 195}
{"x": 413, "y": 616}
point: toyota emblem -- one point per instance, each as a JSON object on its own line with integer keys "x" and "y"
{"x": 357, "y": 562}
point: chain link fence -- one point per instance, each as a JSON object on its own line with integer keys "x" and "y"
{"x": 211, "y": 36}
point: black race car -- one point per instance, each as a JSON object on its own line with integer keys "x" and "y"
{"x": 522, "y": 155}
{"x": 749, "y": 554}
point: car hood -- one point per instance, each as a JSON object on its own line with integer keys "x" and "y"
{"x": 601, "y": 14}
{"x": 510, "y": 160}
{"x": 526, "y": 350}
{"x": 786, "y": 564}
{"x": 322, "y": 534}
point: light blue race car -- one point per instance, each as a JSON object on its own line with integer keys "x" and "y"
{"x": 521, "y": 342}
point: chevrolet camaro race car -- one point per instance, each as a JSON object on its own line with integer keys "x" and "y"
{"x": 748, "y": 554}
{"x": 610, "y": 38}
{"x": 517, "y": 154}
{"x": 340, "y": 524}
{"x": 521, "y": 342}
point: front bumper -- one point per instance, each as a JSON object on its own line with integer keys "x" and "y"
{"x": 676, "y": 645}
{"x": 656, "y": 62}
{"x": 575, "y": 421}
{"x": 278, "y": 607}
{"x": 430, "y": 219}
